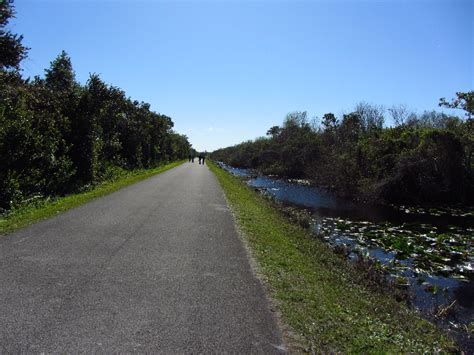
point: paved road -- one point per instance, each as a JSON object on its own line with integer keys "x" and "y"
{"x": 156, "y": 267}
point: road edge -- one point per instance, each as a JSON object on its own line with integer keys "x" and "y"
{"x": 32, "y": 214}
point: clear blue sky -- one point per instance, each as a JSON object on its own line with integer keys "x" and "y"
{"x": 226, "y": 71}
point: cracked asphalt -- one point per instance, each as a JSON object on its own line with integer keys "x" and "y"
{"x": 155, "y": 267}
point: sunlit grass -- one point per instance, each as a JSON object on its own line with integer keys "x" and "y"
{"x": 315, "y": 290}
{"x": 41, "y": 210}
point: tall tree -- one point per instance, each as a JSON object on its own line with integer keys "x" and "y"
{"x": 60, "y": 76}
{"x": 12, "y": 51}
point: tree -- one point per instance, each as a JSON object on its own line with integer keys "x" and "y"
{"x": 60, "y": 76}
{"x": 371, "y": 116}
{"x": 464, "y": 101}
{"x": 426, "y": 158}
{"x": 274, "y": 131}
{"x": 399, "y": 114}
{"x": 329, "y": 122}
{"x": 12, "y": 51}
{"x": 296, "y": 119}
{"x": 57, "y": 136}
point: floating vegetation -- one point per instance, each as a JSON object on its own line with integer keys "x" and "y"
{"x": 436, "y": 212}
{"x": 435, "y": 266}
{"x": 299, "y": 182}
{"x": 447, "y": 253}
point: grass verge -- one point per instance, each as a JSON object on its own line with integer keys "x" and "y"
{"x": 27, "y": 215}
{"x": 315, "y": 289}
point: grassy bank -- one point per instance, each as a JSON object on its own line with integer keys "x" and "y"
{"x": 314, "y": 288}
{"x": 43, "y": 209}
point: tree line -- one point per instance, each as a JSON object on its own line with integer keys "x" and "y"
{"x": 423, "y": 158}
{"x": 58, "y": 136}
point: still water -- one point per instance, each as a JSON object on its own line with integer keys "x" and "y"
{"x": 427, "y": 251}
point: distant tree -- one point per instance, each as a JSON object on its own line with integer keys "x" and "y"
{"x": 399, "y": 114}
{"x": 274, "y": 131}
{"x": 371, "y": 116}
{"x": 329, "y": 121}
{"x": 296, "y": 119}
{"x": 60, "y": 76}
{"x": 430, "y": 119}
{"x": 351, "y": 128}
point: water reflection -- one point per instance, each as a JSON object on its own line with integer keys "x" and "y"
{"x": 299, "y": 194}
{"x": 326, "y": 204}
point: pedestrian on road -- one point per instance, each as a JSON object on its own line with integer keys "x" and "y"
{"x": 200, "y": 157}
{"x": 203, "y": 157}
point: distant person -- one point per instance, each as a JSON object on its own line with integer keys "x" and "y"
{"x": 203, "y": 157}
{"x": 200, "y": 158}
{"x": 190, "y": 158}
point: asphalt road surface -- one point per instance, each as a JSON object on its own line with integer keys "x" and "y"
{"x": 155, "y": 267}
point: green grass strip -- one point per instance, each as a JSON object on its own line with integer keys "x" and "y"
{"x": 314, "y": 288}
{"x": 25, "y": 216}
